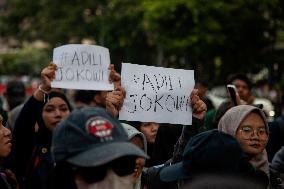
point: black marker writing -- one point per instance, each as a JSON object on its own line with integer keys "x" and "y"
{"x": 146, "y": 80}
{"x": 82, "y": 58}
{"x": 79, "y": 74}
{"x": 155, "y": 103}
{"x": 142, "y": 101}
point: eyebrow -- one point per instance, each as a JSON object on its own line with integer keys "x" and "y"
{"x": 55, "y": 105}
{"x": 262, "y": 126}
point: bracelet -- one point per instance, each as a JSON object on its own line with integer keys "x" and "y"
{"x": 44, "y": 91}
{"x": 45, "y": 94}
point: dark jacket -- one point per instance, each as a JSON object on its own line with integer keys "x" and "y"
{"x": 187, "y": 133}
{"x": 6, "y": 182}
{"x": 243, "y": 171}
{"x": 167, "y": 137}
{"x": 151, "y": 179}
{"x": 30, "y": 158}
{"x": 277, "y": 168}
{"x": 276, "y": 137}
{"x": 251, "y": 179}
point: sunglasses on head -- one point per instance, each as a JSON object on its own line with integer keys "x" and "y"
{"x": 122, "y": 167}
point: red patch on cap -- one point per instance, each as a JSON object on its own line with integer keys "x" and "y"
{"x": 99, "y": 127}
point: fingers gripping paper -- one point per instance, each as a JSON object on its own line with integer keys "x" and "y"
{"x": 155, "y": 94}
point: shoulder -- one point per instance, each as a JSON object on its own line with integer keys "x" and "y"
{"x": 278, "y": 160}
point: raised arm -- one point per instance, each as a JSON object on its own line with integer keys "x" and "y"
{"x": 47, "y": 75}
{"x": 114, "y": 76}
{"x": 198, "y": 114}
{"x": 199, "y": 108}
{"x": 24, "y": 131}
{"x": 114, "y": 99}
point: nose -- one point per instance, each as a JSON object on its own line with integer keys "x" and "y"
{"x": 255, "y": 134}
{"x": 7, "y": 131}
{"x": 239, "y": 90}
{"x": 57, "y": 113}
{"x": 155, "y": 127}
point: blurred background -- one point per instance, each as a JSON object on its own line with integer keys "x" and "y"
{"x": 214, "y": 38}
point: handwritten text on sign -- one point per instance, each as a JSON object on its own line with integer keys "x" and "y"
{"x": 155, "y": 94}
{"x": 82, "y": 67}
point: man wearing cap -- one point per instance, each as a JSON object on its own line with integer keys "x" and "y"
{"x": 91, "y": 150}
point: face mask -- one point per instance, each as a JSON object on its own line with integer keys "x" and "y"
{"x": 111, "y": 181}
{"x": 137, "y": 183}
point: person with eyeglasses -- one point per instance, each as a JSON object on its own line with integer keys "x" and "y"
{"x": 249, "y": 126}
{"x": 91, "y": 151}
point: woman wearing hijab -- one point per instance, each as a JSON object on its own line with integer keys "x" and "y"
{"x": 249, "y": 126}
{"x": 31, "y": 158}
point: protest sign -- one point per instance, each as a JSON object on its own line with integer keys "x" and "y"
{"x": 155, "y": 94}
{"x": 82, "y": 67}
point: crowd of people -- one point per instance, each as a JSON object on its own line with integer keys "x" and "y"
{"x": 49, "y": 140}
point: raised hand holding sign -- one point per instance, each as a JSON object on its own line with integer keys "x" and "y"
{"x": 155, "y": 94}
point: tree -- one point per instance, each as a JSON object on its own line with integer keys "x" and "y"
{"x": 23, "y": 61}
{"x": 213, "y": 37}
{"x": 222, "y": 35}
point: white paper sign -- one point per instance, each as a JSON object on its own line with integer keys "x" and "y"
{"x": 155, "y": 94}
{"x": 82, "y": 67}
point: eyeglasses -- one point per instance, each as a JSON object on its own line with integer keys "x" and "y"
{"x": 247, "y": 132}
{"x": 122, "y": 166}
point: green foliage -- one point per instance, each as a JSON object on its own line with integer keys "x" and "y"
{"x": 22, "y": 62}
{"x": 179, "y": 33}
{"x": 182, "y": 24}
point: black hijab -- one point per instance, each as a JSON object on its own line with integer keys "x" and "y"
{"x": 44, "y": 134}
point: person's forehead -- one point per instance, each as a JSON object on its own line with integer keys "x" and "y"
{"x": 251, "y": 118}
{"x": 240, "y": 82}
{"x": 56, "y": 100}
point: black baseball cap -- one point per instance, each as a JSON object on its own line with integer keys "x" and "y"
{"x": 91, "y": 137}
{"x": 210, "y": 151}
